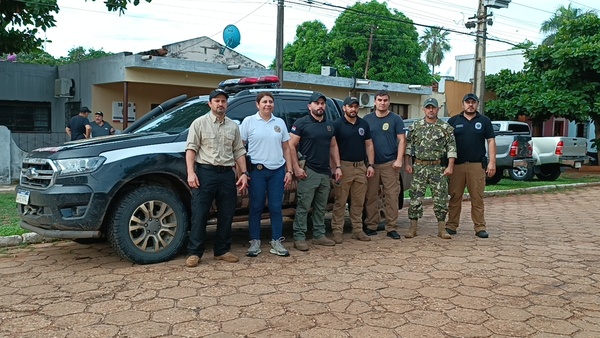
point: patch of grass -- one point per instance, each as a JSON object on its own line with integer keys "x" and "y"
{"x": 508, "y": 184}
{"x": 9, "y": 216}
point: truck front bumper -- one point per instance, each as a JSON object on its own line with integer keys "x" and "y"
{"x": 62, "y": 211}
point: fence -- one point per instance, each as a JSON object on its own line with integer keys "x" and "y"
{"x": 29, "y": 141}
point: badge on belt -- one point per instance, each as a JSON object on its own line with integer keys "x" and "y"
{"x": 259, "y": 166}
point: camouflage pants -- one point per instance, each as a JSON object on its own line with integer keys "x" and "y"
{"x": 432, "y": 176}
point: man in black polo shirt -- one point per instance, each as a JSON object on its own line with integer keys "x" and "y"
{"x": 312, "y": 136}
{"x": 353, "y": 136}
{"x": 471, "y": 130}
{"x": 79, "y": 127}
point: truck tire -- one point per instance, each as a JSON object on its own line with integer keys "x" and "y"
{"x": 494, "y": 179}
{"x": 521, "y": 173}
{"x": 149, "y": 225}
{"x": 548, "y": 173}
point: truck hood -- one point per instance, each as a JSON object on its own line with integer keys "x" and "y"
{"x": 98, "y": 145}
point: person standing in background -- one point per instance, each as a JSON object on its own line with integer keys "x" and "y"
{"x": 79, "y": 127}
{"x": 101, "y": 127}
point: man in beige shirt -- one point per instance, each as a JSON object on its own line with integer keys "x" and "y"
{"x": 214, "y": 146}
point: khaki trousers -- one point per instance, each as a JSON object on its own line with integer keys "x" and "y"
{"x": 386, "y": 180}
{"x": 353, "y": 184}
{"x": 472, "y": 176}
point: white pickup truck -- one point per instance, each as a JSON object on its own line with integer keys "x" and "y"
{"x": 552, "y": 154}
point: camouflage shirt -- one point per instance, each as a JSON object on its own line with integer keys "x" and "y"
{"x": 430, "y": 141}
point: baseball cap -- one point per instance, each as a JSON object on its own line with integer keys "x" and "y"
{"x": 99, "y": 113}
{"x": 431, "y": 102}
{"x": 316, "y": 96}
{"x": 470, "y": 96}
{"x": 84, "y": 109}
{"x": 350, "y": 100}
{"x": 216, "y": 93}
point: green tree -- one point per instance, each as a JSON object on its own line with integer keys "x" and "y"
{"x": 76, "y": 54}
{"x": 22, "y": 20}
{"x": 395, "y": 51}
{"x": 560, "y": 80}
{"x": 560, "y": 16}
{"x": 308, "y": 52}
{"x": 435, "y": 43}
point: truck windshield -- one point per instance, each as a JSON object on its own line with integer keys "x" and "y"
{"x": 177, "y": 119}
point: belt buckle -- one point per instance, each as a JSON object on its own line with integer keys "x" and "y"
{"x": 259, "y": 166}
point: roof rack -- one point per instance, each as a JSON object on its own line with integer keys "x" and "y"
{"x": 233, "y": 86}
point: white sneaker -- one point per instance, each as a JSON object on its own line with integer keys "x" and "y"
{"x": 254, "y": 248}
{"x": 278, "y": 249}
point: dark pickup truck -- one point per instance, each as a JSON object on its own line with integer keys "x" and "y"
{"x": 131, "y": 188}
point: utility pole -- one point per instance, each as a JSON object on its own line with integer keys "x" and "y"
{"x": 479, "y": 74}
{"x": 369, "y": 53}
{"x": 279, "y": 42}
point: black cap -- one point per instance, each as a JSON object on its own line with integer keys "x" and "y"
{"x": 216, "y": 93}
{"x": 316, "y": 96}
{"x": 85, "y": 109}
{"x": 350, "y": 100}
{"x": 99, "y": 113}
{"x": 470, "y": 96}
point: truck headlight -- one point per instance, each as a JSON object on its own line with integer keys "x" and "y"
{"x": 74, "y": 166}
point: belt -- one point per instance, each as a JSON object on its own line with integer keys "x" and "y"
{"x": 217, "y": 168}
{"x": 258, "y": 166}
{"x": 428, "y": 162}
{"x": 353, "y": 164}
{"x": 468, "y": 162}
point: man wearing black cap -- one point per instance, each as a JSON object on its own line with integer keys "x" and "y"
{"x": 101, "y": 127}
{"x": 312, "y": 136}
{"x": 471, "y": 130}
{"x": 387, "y": 130}
{"x": 79, "y": 127}
{"x": 214, "y": 146}
{"x": 353, "y": 137}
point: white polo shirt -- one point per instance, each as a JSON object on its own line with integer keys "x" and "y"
{"x": 265, "y": 140}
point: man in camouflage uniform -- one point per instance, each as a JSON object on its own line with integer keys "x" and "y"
{"x": 429, "y": 142}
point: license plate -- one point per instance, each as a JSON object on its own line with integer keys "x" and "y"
{"x": 577, "y": 165}
{"x": 23, "y": 197}
{"x": 519, "y": 163}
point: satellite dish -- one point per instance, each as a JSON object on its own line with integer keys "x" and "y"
{"x": 231, "y": 36}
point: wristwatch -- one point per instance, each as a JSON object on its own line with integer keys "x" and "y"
{"x": 338, "y": 167}
{"x": 290, "y": 172}
{"x": 245, "y": 173}
{"x": 369, "y": 165}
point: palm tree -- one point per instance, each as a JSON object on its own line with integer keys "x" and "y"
{"x": 435, "y": 43}
{"x": 550, "y": 27}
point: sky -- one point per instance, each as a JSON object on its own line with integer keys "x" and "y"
{"x": 161, "y": 22}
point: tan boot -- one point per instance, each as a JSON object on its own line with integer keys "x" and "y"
{"x": 442, "y": 230}
{"x": 360, "y": 235}
{"x": 337, "y": 238}
{"x": 412, "y": 229}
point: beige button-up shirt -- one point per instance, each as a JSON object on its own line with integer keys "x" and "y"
{"x": 215, "y": 143}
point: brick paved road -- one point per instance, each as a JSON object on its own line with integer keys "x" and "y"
{"x": 537, "y": 276}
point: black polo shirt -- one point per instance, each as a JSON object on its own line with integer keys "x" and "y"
{"x": 315, "y": 141}
{"x": 471, "y": 136}
{"x": 351, "y": 138}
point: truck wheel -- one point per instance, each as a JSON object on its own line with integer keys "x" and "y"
{"x": 521, "y": 173}
{"x": 494, "y": 179}
{"x": 548, "y": 173}
{"x": 149, "y": 225}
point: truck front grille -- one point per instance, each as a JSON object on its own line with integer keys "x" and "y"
{"x": 37, "y": 173}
